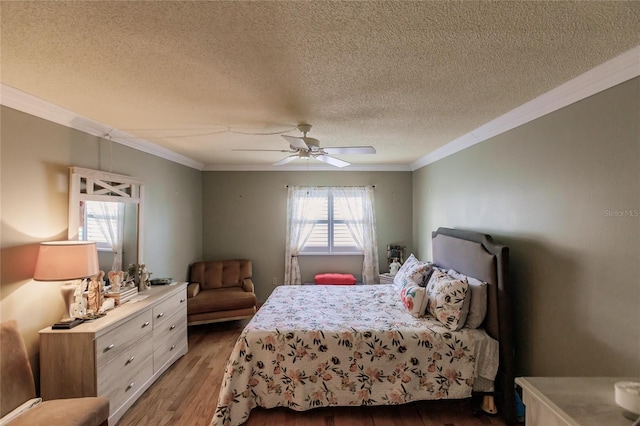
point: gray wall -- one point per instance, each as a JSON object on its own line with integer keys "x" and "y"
{"x": 563, "y": 192}
{"x": 35, "y": 156}
{"x": 245, "y": 216}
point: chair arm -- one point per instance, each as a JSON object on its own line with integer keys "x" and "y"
{"x": 247, "y": 285}
{"x": 192, "y": 290}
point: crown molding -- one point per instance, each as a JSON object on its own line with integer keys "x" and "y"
{"x": 305, "y": 168}
{"x": 24, "y": 102}
{"x": 611, "y": 73}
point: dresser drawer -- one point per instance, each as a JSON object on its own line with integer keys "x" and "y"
{"x": 175, "y": 324}
{"x": 127, "y": 363}
{"x": 170, "y": 348}
{"x": 125, "y": 385}
{"x": 167, "y": 308}
{"x": 114, "y": 342}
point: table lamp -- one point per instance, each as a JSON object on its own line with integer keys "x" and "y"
{"x": 70, "y": 261}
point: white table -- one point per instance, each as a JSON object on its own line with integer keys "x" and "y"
{"x": 584, "y": 401}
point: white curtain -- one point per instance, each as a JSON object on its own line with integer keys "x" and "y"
{"x": 357, "y": 206}
{"x": 304, "y": 207}
{"x": 110, "y": 218}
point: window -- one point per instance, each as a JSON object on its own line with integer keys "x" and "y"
{"x": 99, "y": 219}
{"x": 330, "y": 233}
{"x": 331, "y": 220}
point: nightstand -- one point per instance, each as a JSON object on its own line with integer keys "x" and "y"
{"x": 386, "y": 278}
{"x": 585, "y": 401}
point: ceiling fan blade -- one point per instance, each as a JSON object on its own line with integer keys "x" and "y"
{"x": 332, "y": 160}
{"x": 296, "y": 142}
{"x": 350, "y": 150}
{"x": 286, "y": 160}
{"x": 264, "y": 150}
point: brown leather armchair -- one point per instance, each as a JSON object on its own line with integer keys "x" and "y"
{"x": 18, "y": 402}
{"x": 220, "y": 290}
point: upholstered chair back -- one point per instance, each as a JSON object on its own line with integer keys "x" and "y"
{"x": 17, "y": 384}
{"x": 220, "y": 273}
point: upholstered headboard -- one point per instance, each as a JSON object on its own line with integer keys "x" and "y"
{"x": 476, "y": 255}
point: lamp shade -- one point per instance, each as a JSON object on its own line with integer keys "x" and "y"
{"x": 66, "y": 260}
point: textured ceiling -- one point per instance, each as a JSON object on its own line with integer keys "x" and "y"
{"x": 405, "y": 77}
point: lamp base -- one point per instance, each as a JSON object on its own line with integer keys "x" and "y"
{"x": 67, "y": 291}
{"x": 67, "y": 324}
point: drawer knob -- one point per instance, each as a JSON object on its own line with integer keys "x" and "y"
{"x": 181, "y": 300}
{"x": 172, "y": 347}
{"x": 111, "y": 346}
{"x": 161, "y": 314}
{"x": 130, "y": 360}
{"x": 131, "y": 385}
{"x": 172, "y": 327}
{"x": 145, "y": 324}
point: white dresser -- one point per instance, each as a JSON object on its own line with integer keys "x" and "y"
{"x": 120, "y": 355}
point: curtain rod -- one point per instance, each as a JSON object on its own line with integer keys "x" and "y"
{"x": 352, "y": 186}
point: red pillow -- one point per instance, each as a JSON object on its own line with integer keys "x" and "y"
{"x": 335, "y": 279}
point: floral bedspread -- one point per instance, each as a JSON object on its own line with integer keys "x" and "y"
{"x": 313, "y": 345}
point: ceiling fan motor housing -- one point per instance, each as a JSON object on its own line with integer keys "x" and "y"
{"x": 304, "y": 128}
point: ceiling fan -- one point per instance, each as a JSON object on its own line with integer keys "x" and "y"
{"x": 306, "y": 147}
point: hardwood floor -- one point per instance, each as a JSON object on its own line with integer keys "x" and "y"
{"x": 187, "y": 393}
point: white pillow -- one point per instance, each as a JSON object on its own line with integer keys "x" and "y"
{"x": 414, "y": 298}
{"x": 448, "y": 300}
{"x": 411, "y": 270}
{"x": 478, "y": 293}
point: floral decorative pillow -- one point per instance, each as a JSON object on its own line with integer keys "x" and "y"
{"x": 448, "y": 301}
{"x": 411, "y": 270}
{"x": 478, "y": 296}
{"x": 414, "y": 297}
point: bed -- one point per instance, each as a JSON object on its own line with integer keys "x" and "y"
{"x": 315, "y": 346}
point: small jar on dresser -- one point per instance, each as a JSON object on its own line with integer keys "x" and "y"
{"x": 119, "y": 355}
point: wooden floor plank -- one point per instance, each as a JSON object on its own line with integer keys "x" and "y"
{"x": 186, "y": 395}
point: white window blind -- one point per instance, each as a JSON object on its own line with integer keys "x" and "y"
{"x": 330, "y": 234}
